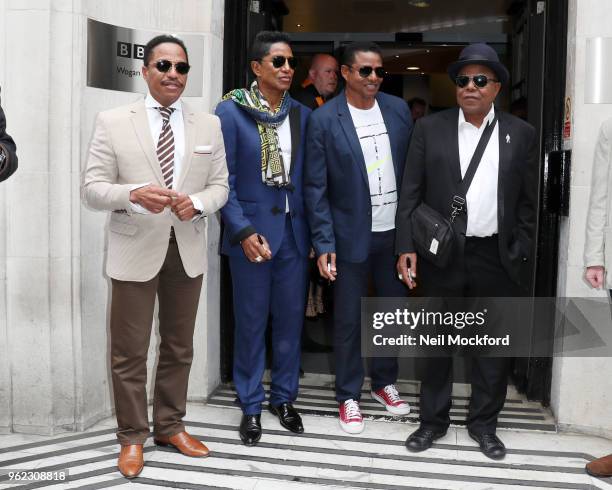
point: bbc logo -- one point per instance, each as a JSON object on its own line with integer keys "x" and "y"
{"x": 129, "y": 50}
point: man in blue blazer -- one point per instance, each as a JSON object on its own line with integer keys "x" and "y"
{"x": 266, "y": 235}
{"x": 356, "y": 147}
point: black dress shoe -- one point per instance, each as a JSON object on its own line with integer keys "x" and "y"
{"x": 250, "y": 429}
{"x": 490, "y": 445}
{"x": 422, "y": 439}
{"x": 288, "y": 417}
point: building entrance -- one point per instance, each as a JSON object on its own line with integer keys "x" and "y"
{"x": 419, "y": 38}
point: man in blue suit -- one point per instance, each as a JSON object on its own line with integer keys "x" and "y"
{"x": 356, "y": 147}
{"x": 266, "y": 235}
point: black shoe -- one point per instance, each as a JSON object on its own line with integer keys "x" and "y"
{"x": 422, "y": 439}
{"x": 288, "y": 417}
{"x": 490, "y": 445}
{"x": 250, "y": 429}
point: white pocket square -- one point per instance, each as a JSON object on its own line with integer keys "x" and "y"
{"x": 203, "y": 149}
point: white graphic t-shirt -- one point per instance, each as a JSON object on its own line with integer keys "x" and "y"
{"x": 376, "y": 149}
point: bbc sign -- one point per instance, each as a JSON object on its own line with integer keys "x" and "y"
{"x": 129, "y": 50}
{"x": 115, "y": 54}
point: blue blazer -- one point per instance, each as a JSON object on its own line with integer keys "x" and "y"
{"x": 253, "y": 206}
{"x": 336, "y": 186}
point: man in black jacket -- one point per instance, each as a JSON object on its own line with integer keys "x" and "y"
{"x": 321, "y": 84}
{"x": 8, "y": 155}
{"x": 494, "y": 246}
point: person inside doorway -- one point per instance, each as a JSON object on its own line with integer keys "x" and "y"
{"x": 321, "y": 84}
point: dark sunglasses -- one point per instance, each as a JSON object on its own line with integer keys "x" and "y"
{"x": 164, "y": 65}
{"x": 366, "y": 71}
{"x": 480, "y": 81}
{"x": 279, "y": 61}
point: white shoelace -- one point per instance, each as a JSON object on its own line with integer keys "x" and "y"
{"x": 351, "y": 409}
{"x": 391, "y": 391}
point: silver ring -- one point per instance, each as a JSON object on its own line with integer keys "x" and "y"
{"x": 259, "y": 258}
{"x": 400, "y": 277}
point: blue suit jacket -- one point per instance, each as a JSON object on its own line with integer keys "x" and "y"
{"x": 253, "y": 206}
{"x": 336, "y": 186}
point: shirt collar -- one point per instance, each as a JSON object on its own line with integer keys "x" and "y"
{"x": 488, "y": 118}
{"x": 151, "y": 103}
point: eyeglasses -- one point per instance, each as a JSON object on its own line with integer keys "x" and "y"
{"x": 366, "y": 71}
{"x": 480, "y": 81}
{"x": 279, "y": 61}
{"x": 164, "y": 65}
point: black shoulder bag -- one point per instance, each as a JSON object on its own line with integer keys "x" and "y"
{"x": 433, "y": 235}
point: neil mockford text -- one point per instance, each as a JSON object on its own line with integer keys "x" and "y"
{"x": 413, "y": 319}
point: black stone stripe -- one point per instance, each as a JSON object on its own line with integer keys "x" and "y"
{"x": 60, "y": 452}
{"x": 228, "y": 392}
{"x": 369, "y": 470}
{"x": 367, "y": 404}
{"x": 384, "y": 415}
{"x": 399, "y": 457}
{"x": 175, "y": 484}
{"x": 281, "y": 477}
{"x": 58, "y": 440}
{"x": 331, "y": 388}
{"x": 371, "y": 440}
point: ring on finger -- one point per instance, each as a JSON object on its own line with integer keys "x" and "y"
{"x": 259, "y": 258}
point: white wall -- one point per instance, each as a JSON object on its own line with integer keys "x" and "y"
{"x": 54, "y": 372}
{"x": 581, "y": 389}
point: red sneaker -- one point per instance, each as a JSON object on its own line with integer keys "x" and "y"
{"x": 389, "y": 397}
{"x": 351, "y": 420}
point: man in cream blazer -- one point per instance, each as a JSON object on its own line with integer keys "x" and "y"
{"x": 598, "y": 244}
{"x": 160, "y": 168}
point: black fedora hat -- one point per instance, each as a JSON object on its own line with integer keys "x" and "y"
{"x": 479, "y": 54}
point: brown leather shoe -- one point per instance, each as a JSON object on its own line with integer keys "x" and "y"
{"x": 600, "y": 467}
{"x": 184, "y": 443}
{"x": 130, "y": 461}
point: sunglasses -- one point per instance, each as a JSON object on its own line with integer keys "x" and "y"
{"x": 164, "y": 65}
{"x": 480, "y": 81}
{"x": 366, "y": 71}
{"x": 279, "y": 61}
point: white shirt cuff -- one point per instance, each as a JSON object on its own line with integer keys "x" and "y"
{"x": 135, "y": 207}
{"x": 197, "y": 204}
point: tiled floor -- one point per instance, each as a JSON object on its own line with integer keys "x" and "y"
{"x": 324, "y": 456}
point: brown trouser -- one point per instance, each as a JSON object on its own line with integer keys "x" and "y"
{"x": 131, "y": 321}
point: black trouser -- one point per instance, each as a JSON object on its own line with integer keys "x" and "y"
{"x": 484, "y": 276}
{"x": 350, "y": 286}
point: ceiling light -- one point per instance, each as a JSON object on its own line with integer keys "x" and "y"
{"x": 299, "y": 25}
{"x": 412, "y": 68}
{"x": 419, "y": 3}
{"x": 397, "y": 55}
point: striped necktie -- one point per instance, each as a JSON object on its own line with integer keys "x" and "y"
{"x": 165, "y": 146}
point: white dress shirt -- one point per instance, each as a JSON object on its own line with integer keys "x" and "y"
{"x": 482, "y": 194}
{"x": 284, "y": 143}
{"x": 376, "y": 149}
{"x": 177, "y": 124}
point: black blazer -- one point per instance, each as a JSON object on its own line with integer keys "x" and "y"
{"x": 433, "y": 172}
{"x": 8, "y": 145}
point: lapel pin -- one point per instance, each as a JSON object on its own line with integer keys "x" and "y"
{"x": 507, "y": 138}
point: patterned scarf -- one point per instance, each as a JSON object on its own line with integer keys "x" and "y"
{"x": 252, "y": 101}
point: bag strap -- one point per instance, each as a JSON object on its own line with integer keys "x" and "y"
{"x": 459, "y": 199}
{"x": 475, "y": 161}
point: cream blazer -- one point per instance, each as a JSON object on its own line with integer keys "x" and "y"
{"x": 122, "y": 153}
{"x": 598, "y": 244}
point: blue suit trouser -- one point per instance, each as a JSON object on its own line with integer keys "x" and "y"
{"x": 350, "y": 286}
{"x": 275, "y": 290}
